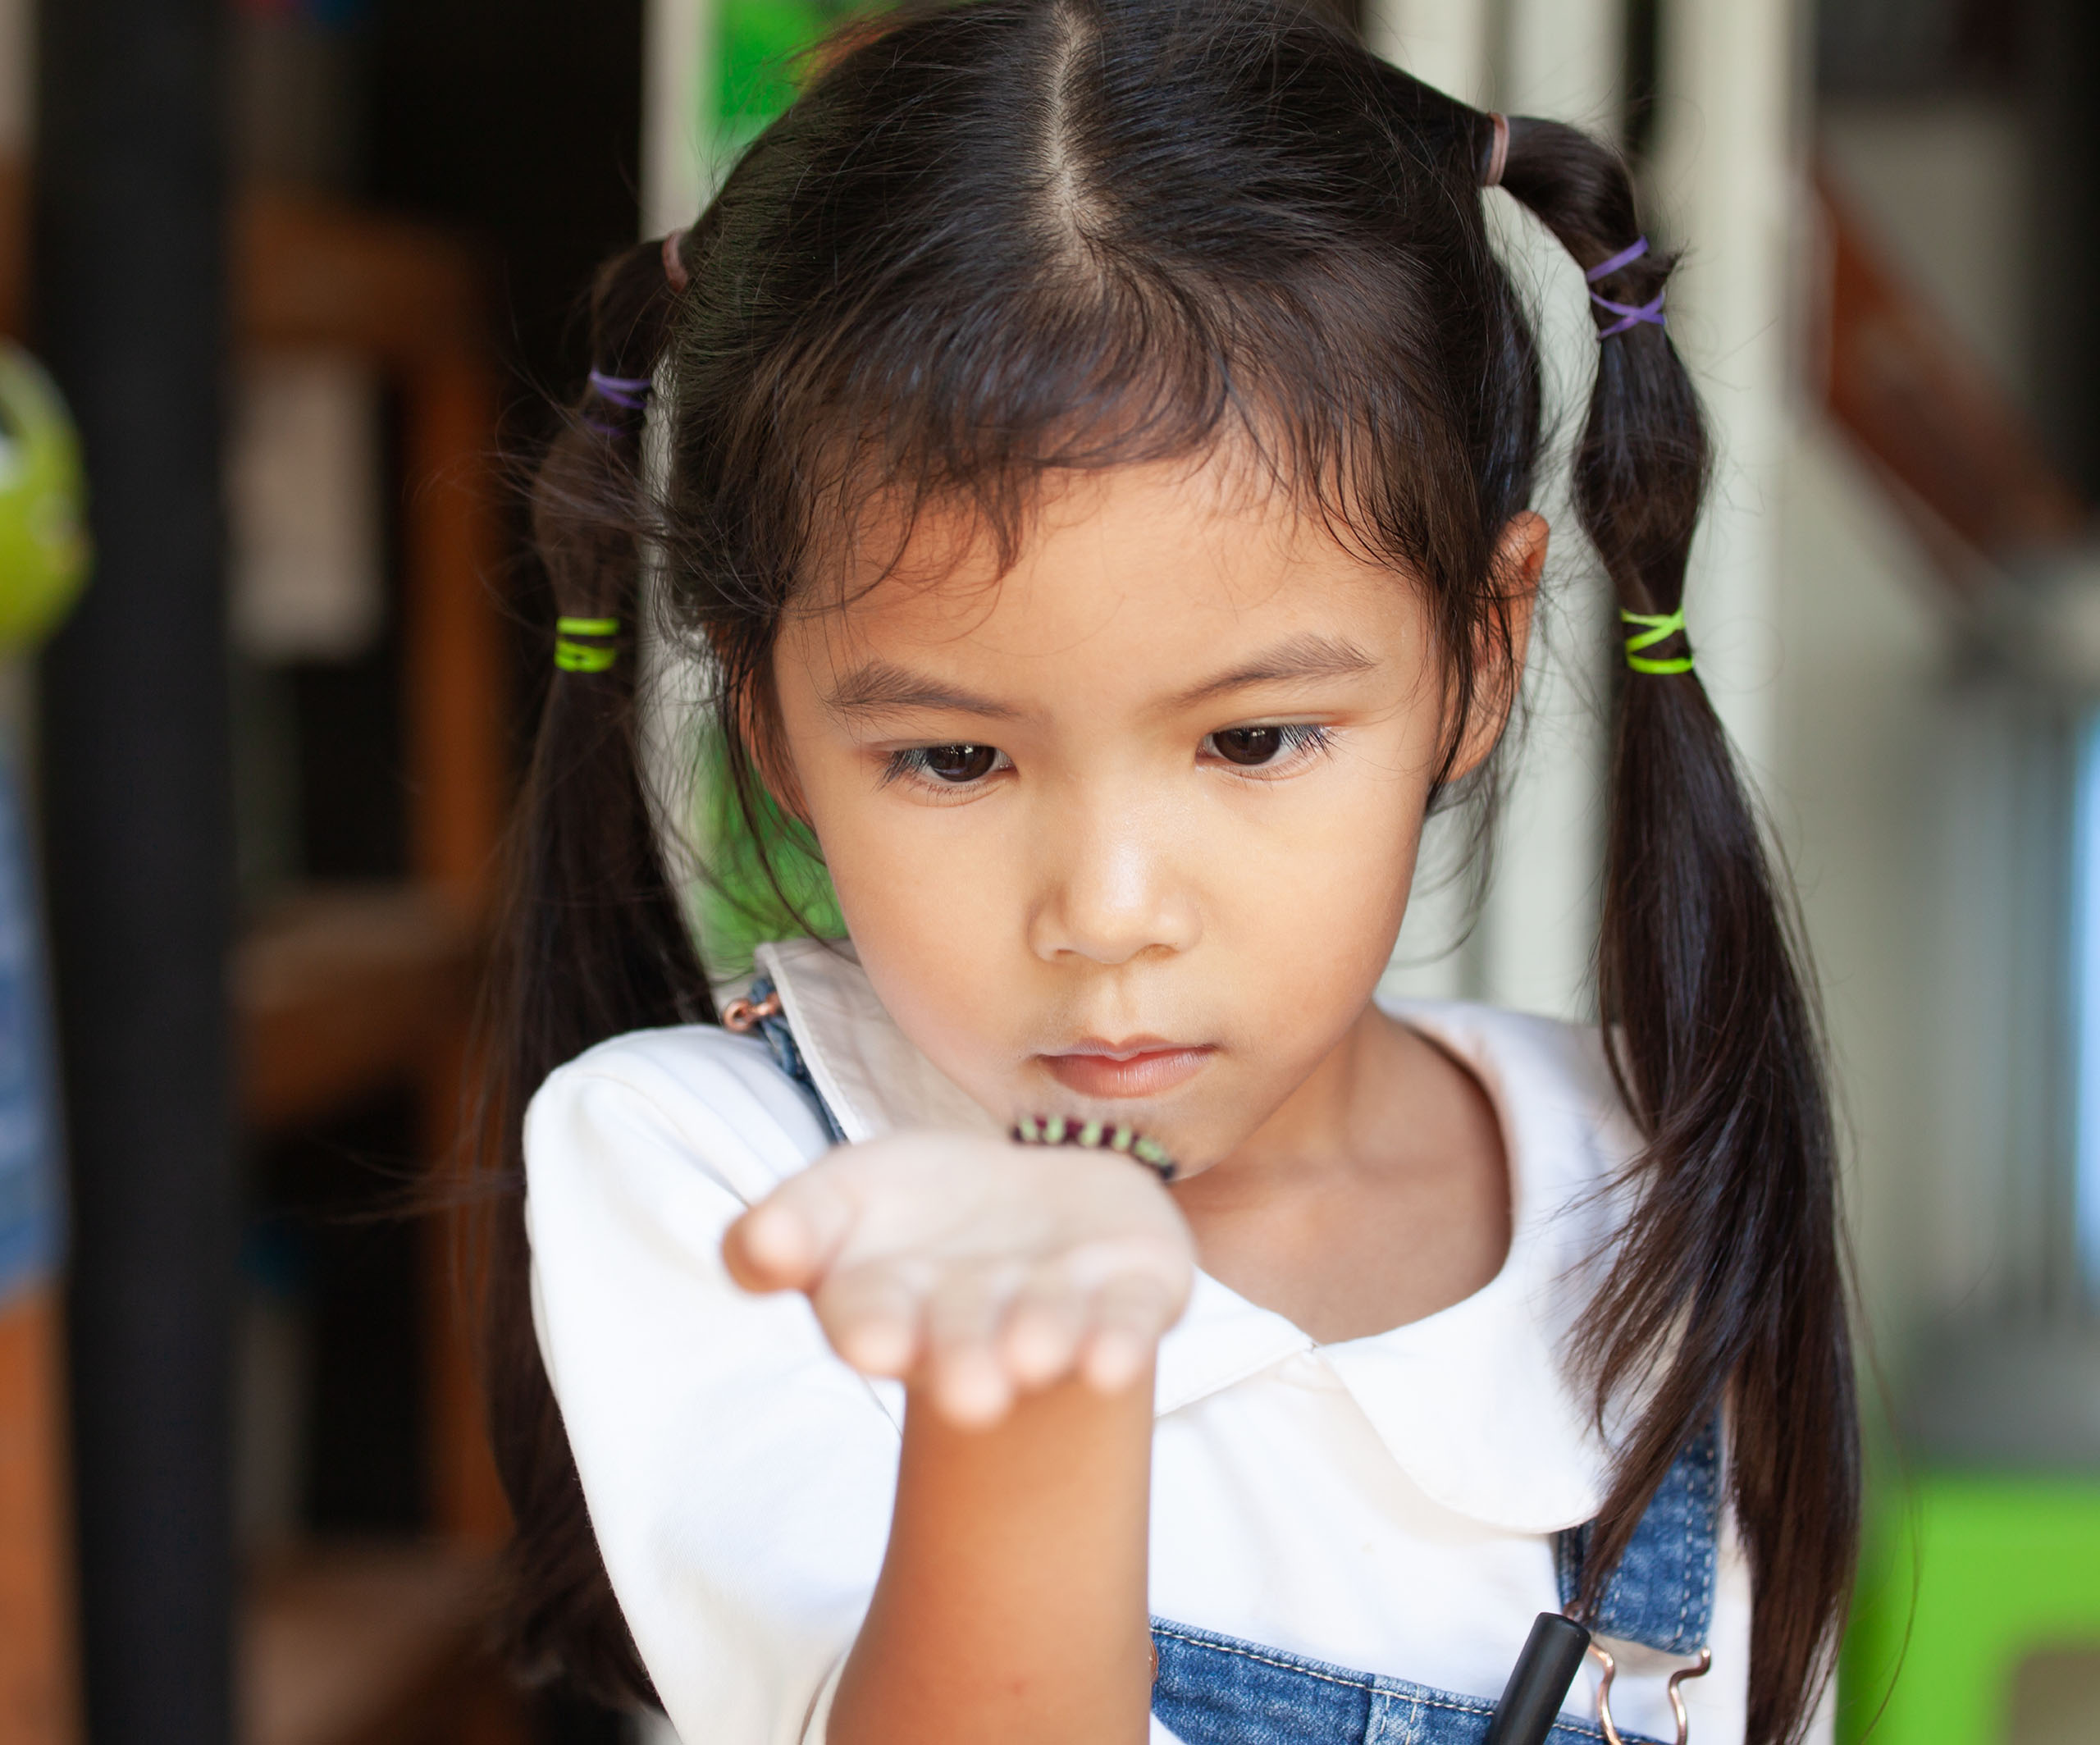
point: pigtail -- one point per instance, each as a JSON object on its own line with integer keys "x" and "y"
{"x": 1728, "y": 1288}
{"x": 596, "y": 944}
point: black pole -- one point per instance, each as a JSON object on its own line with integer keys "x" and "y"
{"x": 2063, "y": 59}
{"x": 131, "y": 314}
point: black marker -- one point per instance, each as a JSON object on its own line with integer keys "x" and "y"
{"x": 1538, "y": 1684}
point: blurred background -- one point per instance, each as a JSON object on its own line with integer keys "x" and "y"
{"x": 280, "y": 280}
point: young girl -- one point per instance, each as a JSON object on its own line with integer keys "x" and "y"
{"x": 1099, "y": 444}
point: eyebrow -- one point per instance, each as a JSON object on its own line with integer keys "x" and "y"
{"x": 1302, "y": 658}
{"x": 878, "y": 687}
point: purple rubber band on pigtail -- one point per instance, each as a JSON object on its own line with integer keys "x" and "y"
{"x": 1630, "y": 314}
{"x": 630, "y": 391}
{"x": 1625, "y": 258}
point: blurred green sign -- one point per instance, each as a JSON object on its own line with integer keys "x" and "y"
{"x": 764, "y": 44}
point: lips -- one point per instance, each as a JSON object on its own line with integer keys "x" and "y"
{"x": 1135, "y": 1066}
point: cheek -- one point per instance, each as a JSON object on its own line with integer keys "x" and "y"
{"x": 923, "y": 902}
{"x": 1317, "y": 902}
{"x": 910, "y": 896}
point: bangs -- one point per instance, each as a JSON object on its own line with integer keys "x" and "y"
{"x": 979, "y": 408}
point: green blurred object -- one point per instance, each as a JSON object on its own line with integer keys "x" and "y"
{"x": 736, "y": 906}
{"x": 1965, "y": 1578}
{"x": 43, "y": 541}
{"x": 761, "y": 40}
{"x": 760, "y": 54}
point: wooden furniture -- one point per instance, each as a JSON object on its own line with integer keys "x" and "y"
{"x": 338, "y": 993}
{"x": 36, "y": 1701}
{"x": 361, "y": 1646}
{"x": 1960, "y": 460}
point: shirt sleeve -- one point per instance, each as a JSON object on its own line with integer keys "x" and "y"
{"x": 739, "y": 1476}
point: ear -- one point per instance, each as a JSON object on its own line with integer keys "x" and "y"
{"x": 758, "y": 725}
{"x": 1503, "y": 637}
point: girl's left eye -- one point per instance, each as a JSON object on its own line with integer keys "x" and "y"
{"x": 1255, "y": 748}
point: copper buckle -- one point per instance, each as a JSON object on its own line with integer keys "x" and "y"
{"x": 743, "y": 1017}
{"x": 1609, "y": 1668}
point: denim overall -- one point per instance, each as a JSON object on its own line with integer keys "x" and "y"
{"x": 1214, "y": 1690}
{"x": 1217, "y": 1690}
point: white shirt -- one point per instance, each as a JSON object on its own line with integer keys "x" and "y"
{"x": 1385, "y": 1503}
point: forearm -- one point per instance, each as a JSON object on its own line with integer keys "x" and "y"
{"x": 1011, "y": 1605}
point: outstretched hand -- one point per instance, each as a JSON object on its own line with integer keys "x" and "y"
{"x": 976, "y": 1269}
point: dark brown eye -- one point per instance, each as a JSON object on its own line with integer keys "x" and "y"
{"x": 1248, "y": 745}
{"x": 958, "y": 763}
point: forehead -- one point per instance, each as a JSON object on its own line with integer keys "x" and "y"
{"x": 1165, "y": 568}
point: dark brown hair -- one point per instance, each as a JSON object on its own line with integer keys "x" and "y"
{"x": 1005, "y": 237}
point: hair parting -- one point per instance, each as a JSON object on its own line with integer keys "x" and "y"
{"x": 995, "y": 242}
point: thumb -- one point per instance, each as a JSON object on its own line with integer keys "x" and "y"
{"x": 788, "y": 1241}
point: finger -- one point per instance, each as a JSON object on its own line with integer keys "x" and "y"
{"x": 874, "y": 1317}
{"x": 1040, "y": 1342}
{"x": 1127, "y": 1318}
{"x": 969, "y": 1383}
{"x": 788, "y": 1239}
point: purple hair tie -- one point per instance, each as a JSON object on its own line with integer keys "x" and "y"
{"x": 1630, "y": 314}
{"x": 630, "y": 391}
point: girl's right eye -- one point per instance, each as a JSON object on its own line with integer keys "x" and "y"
{"x": 955, "y": 764}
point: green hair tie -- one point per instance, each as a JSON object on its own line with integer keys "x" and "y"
{"x": 585, "y": 657}
{"x": 1656, "y": 627}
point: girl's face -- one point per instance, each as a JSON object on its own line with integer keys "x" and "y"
{"x": 1128, "y": 830}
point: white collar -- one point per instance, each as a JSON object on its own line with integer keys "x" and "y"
{"x": 1473, "y": 1402}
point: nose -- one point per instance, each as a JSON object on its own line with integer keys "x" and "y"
{"x": 1111, "y": 887}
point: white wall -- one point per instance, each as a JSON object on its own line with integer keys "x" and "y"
{"x": 1860, "y": 703}
{"x": 1728, "y": 181}
{"x": 678, "y": 77}
{"x": 1559, "y": 58}
{"x": 1448, "y": 44}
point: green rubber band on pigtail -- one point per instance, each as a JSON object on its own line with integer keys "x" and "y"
{"x": 594, "y": 656}
{"x": 1655, "y": 627}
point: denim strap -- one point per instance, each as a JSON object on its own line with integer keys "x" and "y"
{"x": 780, "y": 1040}
{"x": 1661, "y": 1595}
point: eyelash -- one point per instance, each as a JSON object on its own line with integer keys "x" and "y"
{"x": 910, "y": 764}
{"x": 1300, "y": 742}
